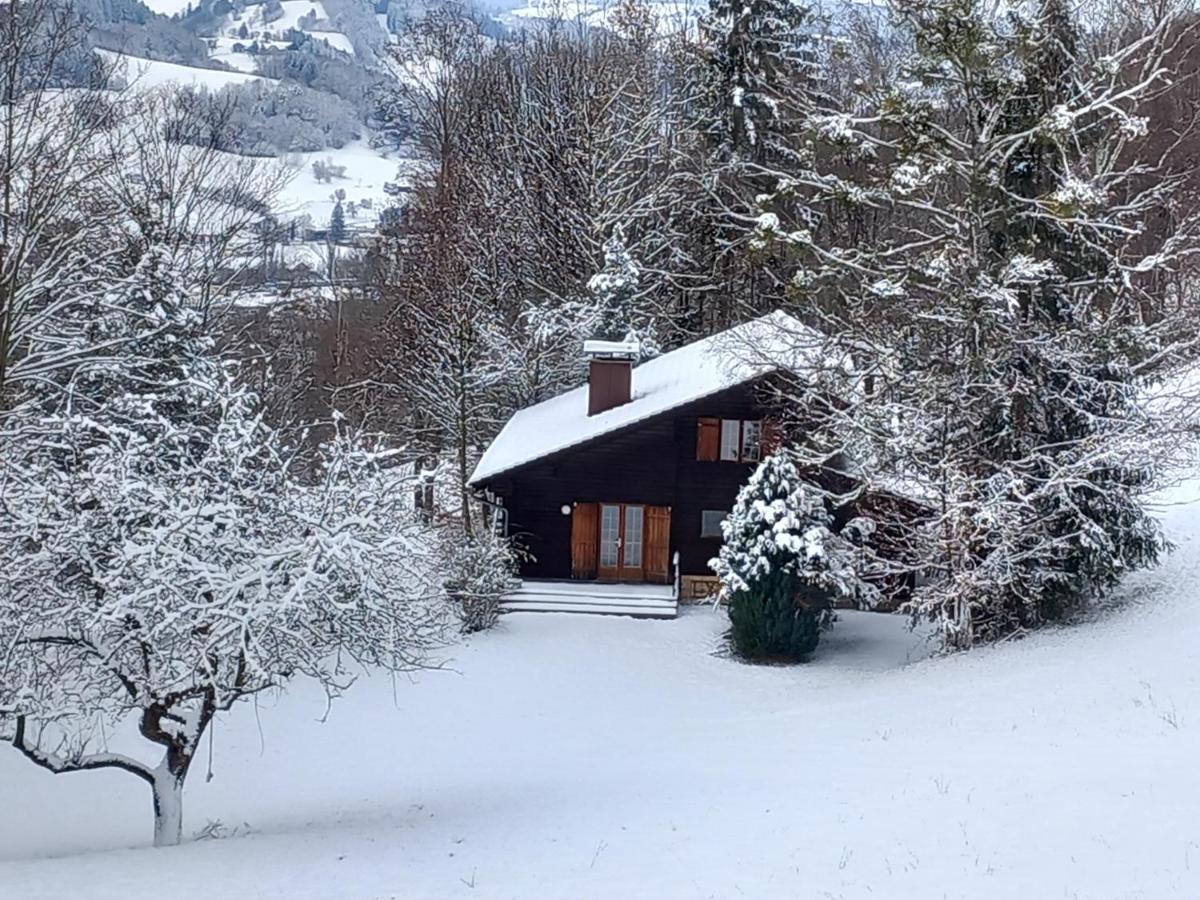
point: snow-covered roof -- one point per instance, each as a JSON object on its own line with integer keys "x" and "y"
{"x": 742, "y": 354}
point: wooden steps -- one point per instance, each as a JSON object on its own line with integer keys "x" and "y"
{"x": 645, "y": 601}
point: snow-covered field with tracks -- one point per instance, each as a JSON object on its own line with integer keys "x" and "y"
{"x": 584, "y": 757}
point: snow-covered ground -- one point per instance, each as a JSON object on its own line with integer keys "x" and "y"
{"x": 257, "y": 28}
{"x": 671, "y": 16}
{"x": 335, "y": 39}
{"x": 582, "y": 757}
{"x": 235, "y": 59}
{"x": 145, "y": 74}
{"x": 367, "y": 170}
{"x": 168, "y": 7}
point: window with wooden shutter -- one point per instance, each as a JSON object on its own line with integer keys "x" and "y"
{"x": 658, "y": 544}
{"x": 751, "y": 441}
{"x": 708, "y": 439}
{"x": 731, "y": 439}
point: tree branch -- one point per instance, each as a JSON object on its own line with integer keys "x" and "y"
{"x": 60, "y": 764}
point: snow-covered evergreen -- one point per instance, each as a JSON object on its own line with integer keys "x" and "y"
{"x": 1000, "y": 323}
{"x": 782, "y": 567}
{"x": 614, "y": 289}
{"x": 337, "y": 223}
{"x": 755, "y": 52}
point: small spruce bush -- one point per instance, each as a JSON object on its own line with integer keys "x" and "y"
{"x": 781, "y": 566}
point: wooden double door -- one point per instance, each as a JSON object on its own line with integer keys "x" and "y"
{"x": 621, "y": 542}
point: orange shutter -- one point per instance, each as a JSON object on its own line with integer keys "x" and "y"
{"x": 658, "y": 544}
{"x": 708, "y": 439}
{"x": 772, "y": 437}
{"x": 585, "y": 527}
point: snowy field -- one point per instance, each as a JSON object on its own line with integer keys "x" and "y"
{"x": 146, "y": 74}
{"x": 671, "y": 16}
{"x": 168, "y": 7}
{"x": 578, "y": 757}
{"x": 252, "y": 17}
{"x": 367, "y": 171}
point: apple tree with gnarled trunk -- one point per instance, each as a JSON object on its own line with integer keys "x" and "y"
{"x": 165, "y": 558}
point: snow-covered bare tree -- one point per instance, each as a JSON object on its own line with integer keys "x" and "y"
{"x": 167, "y": 556}
{"x": 175, "y": 187}
{"x": 448, "y": 354}
{"x": 54, "y": 219}
{"x": 556, "y": 140}
{"x": 998, "y": 321}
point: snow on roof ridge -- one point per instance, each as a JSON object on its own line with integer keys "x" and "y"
{"x": 692, "y": 372}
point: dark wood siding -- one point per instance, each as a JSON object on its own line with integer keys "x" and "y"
{"x": 652, "y": 463}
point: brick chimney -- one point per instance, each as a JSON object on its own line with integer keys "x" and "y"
{"x": 610, "y": 373}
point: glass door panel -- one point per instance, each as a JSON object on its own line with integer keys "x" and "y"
{"x": 610, "y": 537}
{"x": 632, "y": 547}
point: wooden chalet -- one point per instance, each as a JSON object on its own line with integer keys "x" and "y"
{"x": 617, "y": 489}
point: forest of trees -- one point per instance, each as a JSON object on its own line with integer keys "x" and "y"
{"x": 991, "y": 216}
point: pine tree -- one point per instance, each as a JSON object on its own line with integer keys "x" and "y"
{"x": 337, "y": 224}
{"x": 757, "y": 103}
{"x": 997, "y": 323}
{"x": 159, "y": 365}
{"x": 614, "y": 289}
{"x": 757, "y": 57}
{"x": 781, "y": 566}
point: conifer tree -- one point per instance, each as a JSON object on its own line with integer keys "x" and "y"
{"x": 614, "y": 289}
{"x": 757, "y": 100}
{"x": 155, "y": 363}
{"x": 997, "y": 324}
{"x": 756, "y": 58}
{"x": 781, "y": 566}
{"x": 337, "y": 224}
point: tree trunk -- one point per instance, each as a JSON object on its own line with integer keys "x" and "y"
{"x": 463, "y": 437}
{"x": 168, "y": 807}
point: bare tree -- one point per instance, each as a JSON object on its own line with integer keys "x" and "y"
{"x": 55, "y": 223}
{"x": 167, "y": 559}
{"x": 177, "y": 188}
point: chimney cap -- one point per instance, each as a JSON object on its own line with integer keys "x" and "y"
{"x": 629, "y": 348}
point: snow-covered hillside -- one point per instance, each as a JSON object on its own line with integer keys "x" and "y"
{"x": 144, "y": 74}
{"x": 366, "y": 172}
{"x": 168, "y": 7}
{"x": 237, "y": 44}
{"x": 594, "y": 758}
{"x": 671, "y": 16}
{"x": 253, "y": 23}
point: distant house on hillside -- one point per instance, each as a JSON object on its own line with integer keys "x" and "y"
{"x": 625, "y": 481}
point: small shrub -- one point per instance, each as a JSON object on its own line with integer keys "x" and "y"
{"x": 480, "y": 571}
